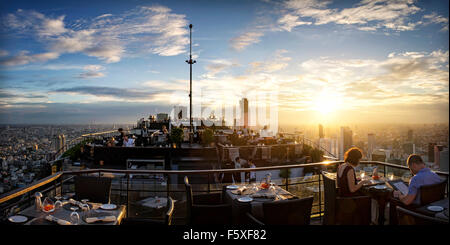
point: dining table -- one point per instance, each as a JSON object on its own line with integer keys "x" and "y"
{"x": 38, "y": 216}
{"x": 377, "y": 189}
{"x": 238, "y": 198}
{"x": 437, "y": 214}
{"x": 381, "y": 193}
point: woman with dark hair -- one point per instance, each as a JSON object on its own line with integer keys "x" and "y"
{"x": 346, "y": 176}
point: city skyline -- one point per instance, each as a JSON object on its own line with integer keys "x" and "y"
{"x": 330, "y": 62}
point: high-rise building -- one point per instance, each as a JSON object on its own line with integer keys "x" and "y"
{"x": 431, "y": 152}
{"x": 180, "y": 112}
{"x": 409, "y": 148}
{"x": 243, "y": 104}
{"x": 441, "y": 157}
{"x": 60, "y": 142}
{"x": 346, "y": 141}
{"x": 63, "y": 143}
{"x": 379, "y": 155}
{"x": 370, "y": 145}
{"x": 329, "y": 145}
{"x": 161, "y": 117}
{"x": 321, "y": 135}
{"x": 410, "y": 135}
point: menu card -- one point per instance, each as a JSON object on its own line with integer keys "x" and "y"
{"x": 401, "y": 187}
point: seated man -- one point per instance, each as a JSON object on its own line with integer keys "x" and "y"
{"x": 421, "y": 176}
{"x": 127, "y": 142}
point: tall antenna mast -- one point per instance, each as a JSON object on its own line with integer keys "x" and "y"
{"x": 190, "y": 62}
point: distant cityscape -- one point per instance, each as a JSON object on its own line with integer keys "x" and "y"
{"x": 27, "y": 150}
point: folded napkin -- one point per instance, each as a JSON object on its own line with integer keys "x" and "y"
{"x": 101, "y": 218}
{"x": 263, "y": 195}
{"x": 239, "y": 191}
{"x": 59, "y": 221}
{"x": 77, "y": 203}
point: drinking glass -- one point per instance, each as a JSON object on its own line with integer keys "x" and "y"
{"x": 58, "y": 204}
{"x": 74, "y": 216}
{"x": 48, "y": 205}
{"x": 391, "y": 176}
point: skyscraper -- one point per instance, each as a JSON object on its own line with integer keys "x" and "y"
{"x": 321, "y": 131}
{"x": 180, "y": 112}
{"x": 161, "y": 117}
{"x": 410, "y": 135}
{"x": 63, "y": 143}
{"x": 441, "y": 157}
{"x": 346, "y": 141}
{"x": 431, "y": 152}
{"x": 370, "y": 145}
{"x": 243, "y": 104}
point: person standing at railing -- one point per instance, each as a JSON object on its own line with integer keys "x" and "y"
{"x": 251, "y": 175}
{"x": 120, "y": 137}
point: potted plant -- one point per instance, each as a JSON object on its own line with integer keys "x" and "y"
{"x": 208, "y": 137}
{"x": 176, "y": 136}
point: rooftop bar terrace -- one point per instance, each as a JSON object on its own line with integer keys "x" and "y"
{"x": 134, "y": 189}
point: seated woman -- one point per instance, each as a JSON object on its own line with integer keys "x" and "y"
{"x": 346, "y": 177}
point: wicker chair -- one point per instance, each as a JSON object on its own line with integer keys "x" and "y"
{"x": 96, "y": 189}
{"x": 143, "y": 221}
{"x": 206, "y": 208}
{"x": 344, "y": 210}
{"x": 285, "y": 212}
{"x": 432, "y": 193}
{"x": 408, "y": 217}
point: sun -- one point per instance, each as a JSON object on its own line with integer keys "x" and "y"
{"x": 326, "y": 102}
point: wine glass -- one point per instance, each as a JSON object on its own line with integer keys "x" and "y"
{"x": 74, "y": 216}
{"x": 58, "y": 204}
{"x": 48, "y": 205}
{"x": 391, "y": 175}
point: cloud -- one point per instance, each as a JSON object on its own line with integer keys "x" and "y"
{"x": 218, "y": 66}
{"x": 153, "y": 29}
{"x": 110, "y": 92}
{"x": 366, "y": 15}
{"x": 288, "y": 21}
{"x": 92, "y": 71}
{"x": 275, "y": 63}
{"x": 24, "y": 58}
{"x": 242, "y": 41}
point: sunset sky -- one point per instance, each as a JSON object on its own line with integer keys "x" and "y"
{"x": 327, "y": 61}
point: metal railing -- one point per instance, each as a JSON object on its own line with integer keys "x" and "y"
{"x": 22, "y": 197}
{"x": 80, "y": 139}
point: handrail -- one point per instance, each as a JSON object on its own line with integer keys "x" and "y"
{"x": 15, "y": 193}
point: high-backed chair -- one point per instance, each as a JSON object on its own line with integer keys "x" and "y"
{"x": 432, "y": 193}
{"x": 96, "y": 189}
{"x": 344, "y": 210}
{"x": 285, "y": 212}
{"x": 206, "y": 208}
{"x": 408, "y": 217}
{"x": 144, "y": 221}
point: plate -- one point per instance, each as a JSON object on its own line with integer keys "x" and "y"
{"x": 435, "y": 208}
{"x": 108, "y": 206}
{"x": 232, "y": 187}
{"x": 18, "y": 219}
{"x": 245, "y": 199}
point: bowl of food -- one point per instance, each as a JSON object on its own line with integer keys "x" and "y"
{"x": 375, "y": 177}
{"x": 264, "y": 185}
